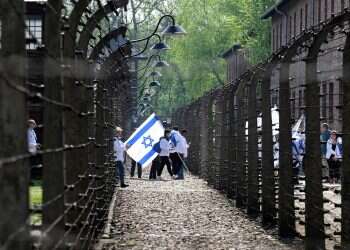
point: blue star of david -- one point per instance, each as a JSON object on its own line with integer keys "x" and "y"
{"x": 147, "y": 141}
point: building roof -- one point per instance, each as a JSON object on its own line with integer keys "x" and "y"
{"x": 272, "y": 10}
{"x": 230, "y": 51}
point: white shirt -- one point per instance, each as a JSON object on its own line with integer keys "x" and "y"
{"x": 119, "y": 149}
{"x": 330, "y": 151}
{"x": 164, "y": 147}
{"x": 182, "y": 146}
{"x": 32, "y": 141}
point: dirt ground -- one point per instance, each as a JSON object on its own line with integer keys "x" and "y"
{"x": 186, "y": 214}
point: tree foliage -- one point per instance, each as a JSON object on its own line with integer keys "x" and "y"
{"x": 213, "y": 27}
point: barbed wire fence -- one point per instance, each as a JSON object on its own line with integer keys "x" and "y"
{"x": 236, "y": 154}
{"x": 81, "y": 96}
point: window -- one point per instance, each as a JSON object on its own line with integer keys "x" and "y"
{"x": 306, "y": 15}
{"x": 301, "y": 20}
{"x": 332, "y": 7}
{"x": 341, "y": 100}
{"x": 319, "y": 11}
{"x": 295, "y": 24}
{"x": 277, "y": 36}
{"x": 293, "y": 116}
{"x": 290, "y": 27}
{"x": 324, "y": 101}
{"x": 330, "y": 102}
{"x": 300, "y": 100}
{"x": 273, "y": 39}
{"x": 33, "y": 31}
{"x": 281, "y": 34}
{"x": 274, "y": 97}
{"x": 0, "y": 34}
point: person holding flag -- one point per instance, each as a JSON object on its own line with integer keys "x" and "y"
{"x": 143, "y": 145}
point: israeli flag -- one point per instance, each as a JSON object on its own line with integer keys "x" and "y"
{"x": 143, "y": 145}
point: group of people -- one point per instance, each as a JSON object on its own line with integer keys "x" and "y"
{"x": 173, "y": 150}
{"x": 331, "y": 152}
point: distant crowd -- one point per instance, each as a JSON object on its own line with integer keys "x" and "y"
{"x": 174, "y": 151}
{"x": 331, "y": 153}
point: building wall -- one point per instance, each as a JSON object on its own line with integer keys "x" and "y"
{"x": 237, "y": 64}
{"x": 299, "y": 15}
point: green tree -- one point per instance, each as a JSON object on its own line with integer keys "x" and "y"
{"x": 213, "y": 26}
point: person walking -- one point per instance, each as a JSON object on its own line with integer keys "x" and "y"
{"x": 334, "y": 158}
{"x": 164, "y": 154}
{"x": 33, "y": 145}
{"x": 119, "y": 154}
{"x": 154, "y": 167}
{"x": 297, "y": 157}
{"x": 174, "y": 149}
{"x": 182, "y": 151}
{"x": 133, "y": 167}
{"x": 324, "y": 137}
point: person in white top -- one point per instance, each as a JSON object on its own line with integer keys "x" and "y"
{"x": 334, "y": 158}
{"x": 164, "y": 154}
{"x": 183, "y": 146}
{"x": 33, "y": 146}
{"x": 182, "y": 149}
{"x": 174, "y": 150}
{"x": 119, "y": 154}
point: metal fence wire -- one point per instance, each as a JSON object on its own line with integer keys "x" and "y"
{"x": 82, "y": 99}
{"x": 236, "y": 153}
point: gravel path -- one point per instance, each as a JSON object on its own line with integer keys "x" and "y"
{"x": 183, "y": 215}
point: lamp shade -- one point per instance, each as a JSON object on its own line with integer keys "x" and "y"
{"x": 146, "y": 99}
{"x": 154, "y": 84}
{"x": 174, "y": 30}
{"x": 155, "y": 74}
{"x": 160, "y": 64}
{"x": 160, "y": 46}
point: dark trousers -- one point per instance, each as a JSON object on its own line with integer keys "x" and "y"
{"x": 139, "y": 169}
{"x": 164, "y": 160}
{"x": 154, "y": 167}
{"x": 334, "y": 169}
{"x": 120, "y": 172}
{"x": 176, "y": 162}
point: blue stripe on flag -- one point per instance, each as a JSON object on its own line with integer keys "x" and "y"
{"x": 142, "y": 131}
{"x": 173, "y": 139}
{"x": 154, "y": 150}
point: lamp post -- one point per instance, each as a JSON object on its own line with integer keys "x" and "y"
{"x": 170, "y": 30}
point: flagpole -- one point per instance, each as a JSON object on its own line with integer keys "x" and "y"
{"x": 184, "y": 164}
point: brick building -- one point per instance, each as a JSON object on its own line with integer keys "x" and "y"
{"x": 237, "y": 63}
{"x": 34, "y": 20}
{"x": 289, "y": 19}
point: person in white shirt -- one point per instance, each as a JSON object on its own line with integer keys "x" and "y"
{"x": 164, "y": 154}
{"x": 334, "y": 158}
{"x": 33, "y": 146}
{"x": 119, "y": 154}
{"x": 175, "y": 138}
{"x": 182, "y": 151}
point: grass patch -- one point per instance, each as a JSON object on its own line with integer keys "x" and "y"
{"x": 35, "y": 200}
